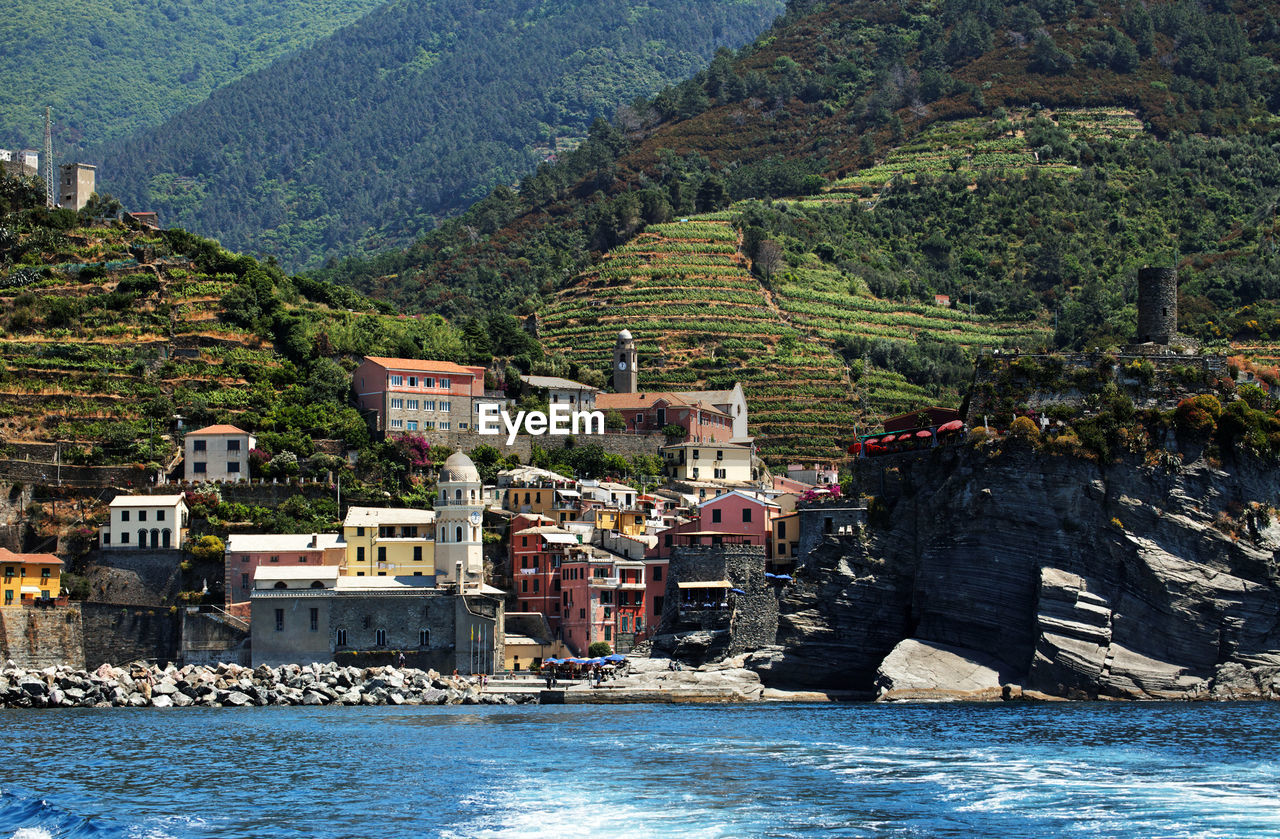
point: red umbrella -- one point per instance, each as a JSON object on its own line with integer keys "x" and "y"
{"x": 888, "y": 439}
{"x": 924, "y": 433}
{"x": 954, "y": 425}
{"x": 855, "y": 448}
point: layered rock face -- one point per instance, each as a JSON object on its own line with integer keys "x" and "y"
{"x": 1049, "y": 573}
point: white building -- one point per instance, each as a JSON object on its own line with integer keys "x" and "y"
{"x": 145, "y": 522}
{"x": 576, "y": 395}
{"x": 217, "y": 453}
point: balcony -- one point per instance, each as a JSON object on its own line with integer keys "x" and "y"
{"x": 603, "y": 582}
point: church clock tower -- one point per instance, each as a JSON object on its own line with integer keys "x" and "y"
{"x": 624, "y": 363}
{"x": 459, "y": 515}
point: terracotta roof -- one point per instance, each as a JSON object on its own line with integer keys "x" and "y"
{"x": 218, "y": 429}
{"x": 623, "y": 401}
{"x": 7, "y": 555}
{"x": 420, "y": 364}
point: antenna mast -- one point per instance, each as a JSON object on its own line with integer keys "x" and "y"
{"x": 48, "y": 158}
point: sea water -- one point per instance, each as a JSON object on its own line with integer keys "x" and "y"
{"x": 1087, "y": 769}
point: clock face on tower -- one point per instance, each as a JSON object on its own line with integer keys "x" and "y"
{"x": 475, "y": 517}
{"x": 622, "y": 365}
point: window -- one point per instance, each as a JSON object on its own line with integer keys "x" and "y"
{"x": 44, "y": 575}
{"x": 233, "y": 466}
{"x": 657, "y": 604}
{"x": 428, "y": 381}
{"x": 395, "y": 423}
{"x": 244, "y": 581}
{"x": 608, "y": 633}
{"x": 380, "y": 638}
{"x": 360, "y": 554}
{"x": 124, "y": 515}
{"x": 106, "y": 538}
{"x": 411, "y": 405}
{"x": 359, "y": 531}
{"x": 397, "y": 403}
{"x": 582, "y": 614}
{"x": 827, "y": 524}
{"x": 524, "y": 586}
{"x": 275, "y": 559}
{"x": 444, "y": 405}
{"x": 159, "y": 515}
{"x": 412, "y": 425}
{"x": 720, "y": 473}
{"x": 535, "y": 586}
{"x": 397, "y": 381}
{"x": 279, "y": 620}
{"x": 444, "y": 426}
{"x": 199, "y": 445}
{"x": 444, "y": 383}
{"x": 606, "y": 597}
{"x": 199, "y": 467}
{"x": 233, "y": 445}
{"x": 315, "y": 619}
{"x": 719, "y": 454}
{"x": 413, "y": 381}
{"x": 657, "y": 573}
{"x": 382, "y": 554}
{"x": 715, "y": 516}
{"x": 124, "y": 538}
{"x": 695, "y": 474}
{"x": 524, "y": 541}
{"x": 424, "y": 637}
{"x": 782, "y": 530}
{"x": 696, "y": 453}
{"x": 666, "y": 541}
{"x": 428, "y": 404}
{"x": 8, "y": 596}
{"x": 746, "y": 514}
{"x": 782, "y": 549}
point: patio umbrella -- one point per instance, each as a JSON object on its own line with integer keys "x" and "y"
{"x": 615, "y": 657}
{"x": 924, "y": 433}
{"x": 737, "y": 591}
{"x": 954, "y": 425}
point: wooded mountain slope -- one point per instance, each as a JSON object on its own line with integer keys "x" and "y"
{"x": 109, "y": 68}
{"x": 409, "y": 116}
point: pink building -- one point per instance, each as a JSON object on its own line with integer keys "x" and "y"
{"x": 603, "y": 598}
{"x": 246, "y": 552}
{"x": 652, "y": 412}
{"x": 746, "y": 516}
{"x": 407, "y": 395}
{"x": 537, "y": 553}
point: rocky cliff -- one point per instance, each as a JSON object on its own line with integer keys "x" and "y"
{"x": 994, "y": 570}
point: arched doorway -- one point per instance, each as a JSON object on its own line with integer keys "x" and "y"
{"x": 166, "y": 540}
{"x": 142, "y": 537}
{"x": 155, "y": 538}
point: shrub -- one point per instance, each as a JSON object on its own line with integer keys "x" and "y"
{"x": 1197, "y": 414}
{"x": 598, "y": 649}
{"x": 1025, "y": 430}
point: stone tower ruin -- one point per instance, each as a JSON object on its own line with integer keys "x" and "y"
{"x": 1157, "y": 305}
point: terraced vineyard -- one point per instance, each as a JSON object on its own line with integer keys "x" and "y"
{"x": 981, "y": 145}
{"x": 701, "y": 320}
{"x": 109, "y": 332}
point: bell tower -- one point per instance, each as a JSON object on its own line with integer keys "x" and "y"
{"x": 624, "y": 363}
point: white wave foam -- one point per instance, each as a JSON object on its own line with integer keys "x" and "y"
{"x": 31, "y": 833}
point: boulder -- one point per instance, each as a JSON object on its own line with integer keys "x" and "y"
{"x": 923, "y": 670}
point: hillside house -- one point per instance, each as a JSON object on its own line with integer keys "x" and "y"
{"x": 404, "y": 395}
{"x": 145, "y": 522}
{"x": 217, "y": 453}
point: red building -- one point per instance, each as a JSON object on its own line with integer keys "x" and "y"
{"x": 537, "y": 555}
{"x": 247, "y": 552}
{"x": 602, "y": 599}
{"x": 407, "y": 394}
{"x": 652, "y": 412}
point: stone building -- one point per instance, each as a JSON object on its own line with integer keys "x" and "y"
{"x": 303, "y": 614}
{"x": 819, "y": 519}
{"x": 76, "y": 182}
{"x": 1157, "y": 305}
{"x": 718, "y": 601}
{"x": 624, "y": 363}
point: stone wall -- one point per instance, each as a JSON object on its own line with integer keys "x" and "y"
{"x": 749, "y": 622}
{"x": 49, "y": 474}
{"x": 401, "y": 617}
{"x": 138, "y": 578}
{"x": 821, "y": 519}
{"x": 117, "y": 634}
{"x": 39, "y": 637}
{"x": 1157, "y": 305}
{"x": 209, "y": 638}
{"x": 626, "y": 445}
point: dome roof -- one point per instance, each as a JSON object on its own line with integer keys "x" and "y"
{"x": 458, "y": 468}
{"x": 624, "y": 335}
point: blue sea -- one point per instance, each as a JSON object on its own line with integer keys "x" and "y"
{"x": 1089, "y": 769}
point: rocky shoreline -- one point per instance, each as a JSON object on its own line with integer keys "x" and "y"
{"x": 139, "y": 685}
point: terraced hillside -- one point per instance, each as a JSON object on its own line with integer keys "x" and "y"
{"x": 109, "y": 332}
{"x": 701, "y": 320}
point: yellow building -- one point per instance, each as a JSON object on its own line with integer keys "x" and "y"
{"x": 386, "y": 542}
{"x": 29, "y": 576}
{"x": 626, "y": 522}
{"x": 786, "y": 539}
{"x": 719, "y": 462}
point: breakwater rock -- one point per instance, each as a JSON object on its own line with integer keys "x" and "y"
{"x": 140, "y": 685}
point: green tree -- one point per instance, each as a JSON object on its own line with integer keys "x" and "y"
{"x": 599, "y": 649}
{"x": 207, "y": 548}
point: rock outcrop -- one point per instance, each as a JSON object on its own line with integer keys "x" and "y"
{"x": 1060, "y": 576}
{"x": 140, "y": 685}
